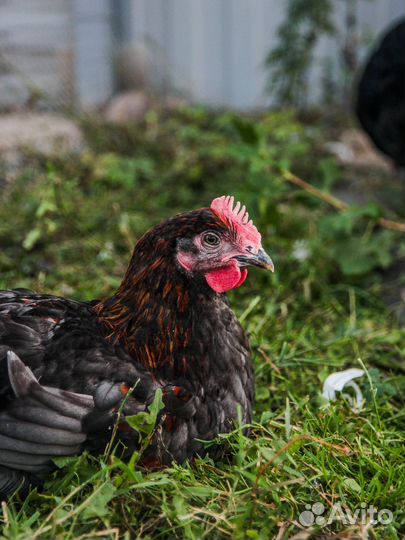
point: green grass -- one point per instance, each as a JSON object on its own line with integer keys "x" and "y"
{"x": 67, "y": 226}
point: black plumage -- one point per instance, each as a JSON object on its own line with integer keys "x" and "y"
{"x": 66, "y": 366}
{"x": 380, "y": 98}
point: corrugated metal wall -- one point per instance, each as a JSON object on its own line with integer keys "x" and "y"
{"x": 34, "y": 47}
{"x": 210, "y": 51}
{"x": 60, "y": 48}
{"x": 213, "y": 51}
{"x": 93, "y": 45}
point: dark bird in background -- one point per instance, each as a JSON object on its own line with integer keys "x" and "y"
{"x": 380, "y": 99}
{"x": 66, "y": 367}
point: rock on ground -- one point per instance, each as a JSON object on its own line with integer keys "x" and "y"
{"x": 44, "y": 133}
{"x": 354, "y": 147}
{"x": 128, "y": 107}
{"x": 133, "y": 106}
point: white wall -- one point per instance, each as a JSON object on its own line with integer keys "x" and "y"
{"x": 34, "y": 52}
{"x": 61, "y": 48}
{"x": 210, "y": 51}
{"x": 93, "y": 51}
{"x": 213, "y": 51}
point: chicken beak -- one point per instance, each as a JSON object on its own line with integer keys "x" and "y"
{"x": 261, "y": 260}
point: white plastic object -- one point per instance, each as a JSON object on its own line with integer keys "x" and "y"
{"x": 341, "y": 379}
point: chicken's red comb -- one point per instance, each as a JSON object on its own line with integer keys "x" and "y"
{"x": 237, "y": 217}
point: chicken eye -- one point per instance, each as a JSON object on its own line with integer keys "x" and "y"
{"x": 211, "y": 239}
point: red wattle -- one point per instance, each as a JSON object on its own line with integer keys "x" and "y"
{"x": 243, "y": 276}
{"x": 227, "y": 278}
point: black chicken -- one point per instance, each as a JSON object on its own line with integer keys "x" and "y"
{"x": 66, "y": 367}
{"x": 380, "y": 100}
